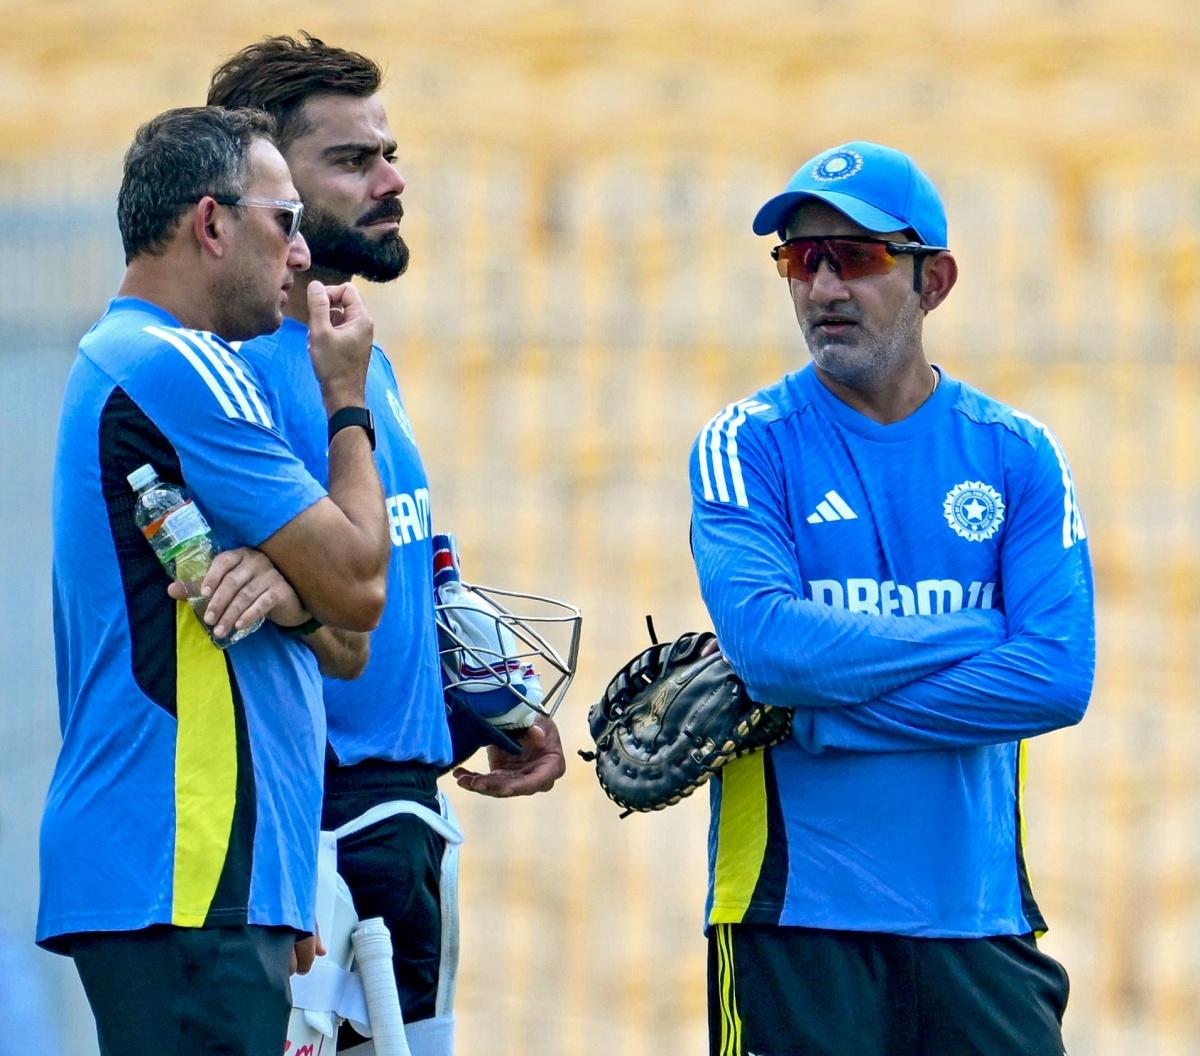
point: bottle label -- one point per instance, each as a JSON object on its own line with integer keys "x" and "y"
{"x": 182, "y": 523}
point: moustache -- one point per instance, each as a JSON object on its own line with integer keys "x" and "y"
{"x": 391, "y": 209}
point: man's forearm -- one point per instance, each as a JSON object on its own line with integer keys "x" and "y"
{"x": 336, "y": 552}
{"x": 355, "y": 489}
{"x": 340, "y": 654}
{"x": 796, "y": 653}
{"x": 1026, "y": 687}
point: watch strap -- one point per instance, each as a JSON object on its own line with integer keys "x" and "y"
{"x": 348, "y": 416}
{"x": 303, "y": 629}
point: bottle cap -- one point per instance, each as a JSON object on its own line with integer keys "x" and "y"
{"x": 142, "y": 476}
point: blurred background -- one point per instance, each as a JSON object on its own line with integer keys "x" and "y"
{"x": 585, "y": 293}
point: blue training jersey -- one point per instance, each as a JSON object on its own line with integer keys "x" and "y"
{"x": 188, "y": 788}
{"x": 921, "y": 594}
{"x": 395, "y": 711}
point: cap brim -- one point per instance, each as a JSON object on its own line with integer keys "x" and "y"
{"x": 772, "y": 216}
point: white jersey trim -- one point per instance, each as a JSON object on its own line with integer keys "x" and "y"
{"x": 203, "y": 354}
{"x": 1072, "y": 530}
{"x": 719, "y": 453}
{"x": 222, "y": 350}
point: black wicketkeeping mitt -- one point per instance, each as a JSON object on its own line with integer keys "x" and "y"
{"x": 672, "y": 717}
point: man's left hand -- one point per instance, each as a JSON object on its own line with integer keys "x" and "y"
{"x": 539, "y": 765}
{"x": 241, "y": 585}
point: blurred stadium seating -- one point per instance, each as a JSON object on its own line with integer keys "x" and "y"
{"x": 585, "y": 293}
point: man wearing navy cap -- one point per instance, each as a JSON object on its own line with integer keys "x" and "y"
{"x": 902, "y": 561}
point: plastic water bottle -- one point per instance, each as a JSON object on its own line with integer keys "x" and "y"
{"x": 182, "y": 540}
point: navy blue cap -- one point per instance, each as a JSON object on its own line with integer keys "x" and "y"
{"x": 877, "y": 187}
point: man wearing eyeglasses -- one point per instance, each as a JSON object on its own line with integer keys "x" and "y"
{"x": 179, "y": 840}
{"x": 902, "y": 561}
{"x": 388, "y": 732}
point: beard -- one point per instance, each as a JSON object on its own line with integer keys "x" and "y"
{"x": 345, "y": 250}
{"x": 861, "y": 359}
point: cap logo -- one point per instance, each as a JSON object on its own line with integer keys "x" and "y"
{"x": 837, "y": 166}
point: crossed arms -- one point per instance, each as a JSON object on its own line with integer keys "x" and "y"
{"x": 869, "y": 682}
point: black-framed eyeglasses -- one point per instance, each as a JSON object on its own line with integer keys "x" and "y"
{"x": 849, "y": 257}
{"x": 290, "y": 226}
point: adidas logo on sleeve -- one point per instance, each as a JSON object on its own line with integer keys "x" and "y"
{"x": 832, "y": 508}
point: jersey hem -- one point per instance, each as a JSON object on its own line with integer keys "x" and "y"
{"x": 432, "y": 760}
{"x": 56, "y": 937}
{"x": 737, "y": 914}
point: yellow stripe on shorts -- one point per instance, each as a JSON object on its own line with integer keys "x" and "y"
{"x": 731, "y": 1022}
{"x": 205, "y": 769}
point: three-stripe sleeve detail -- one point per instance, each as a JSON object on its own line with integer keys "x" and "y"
{"x": 224, "y": 377}
{"x": 1072, "y": 530}
{"x": 720, "y": 467}
{"x": 235, "y": 367}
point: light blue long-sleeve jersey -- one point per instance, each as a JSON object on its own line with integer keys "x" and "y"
{"x": 921, "y": 594}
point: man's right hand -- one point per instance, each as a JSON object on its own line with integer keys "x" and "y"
{"x": 340, "y": 333}
{"x": 336, "y": 552}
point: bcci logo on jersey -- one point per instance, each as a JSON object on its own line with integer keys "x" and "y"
{"x": 974, "y": 510}
{"x": 401, "y": 417}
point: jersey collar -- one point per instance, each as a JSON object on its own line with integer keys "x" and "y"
{"x": 136, "y": 304}
{"x": 939, "y": 401}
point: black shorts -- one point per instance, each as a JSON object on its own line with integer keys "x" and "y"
{"x": 393, "y": 870}
{"x": 167, "y": 990}
{"x": 776, "y": 991}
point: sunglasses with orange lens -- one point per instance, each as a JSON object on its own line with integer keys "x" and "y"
{"x": 850, "y": 258}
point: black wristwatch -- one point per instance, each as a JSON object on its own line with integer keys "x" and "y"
{"x": 302, "y": 630}
{"x": 349, "y": 416}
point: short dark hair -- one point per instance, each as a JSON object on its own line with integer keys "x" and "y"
{"x": 176, "y": 159}
{"x": 278, "y": 74}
